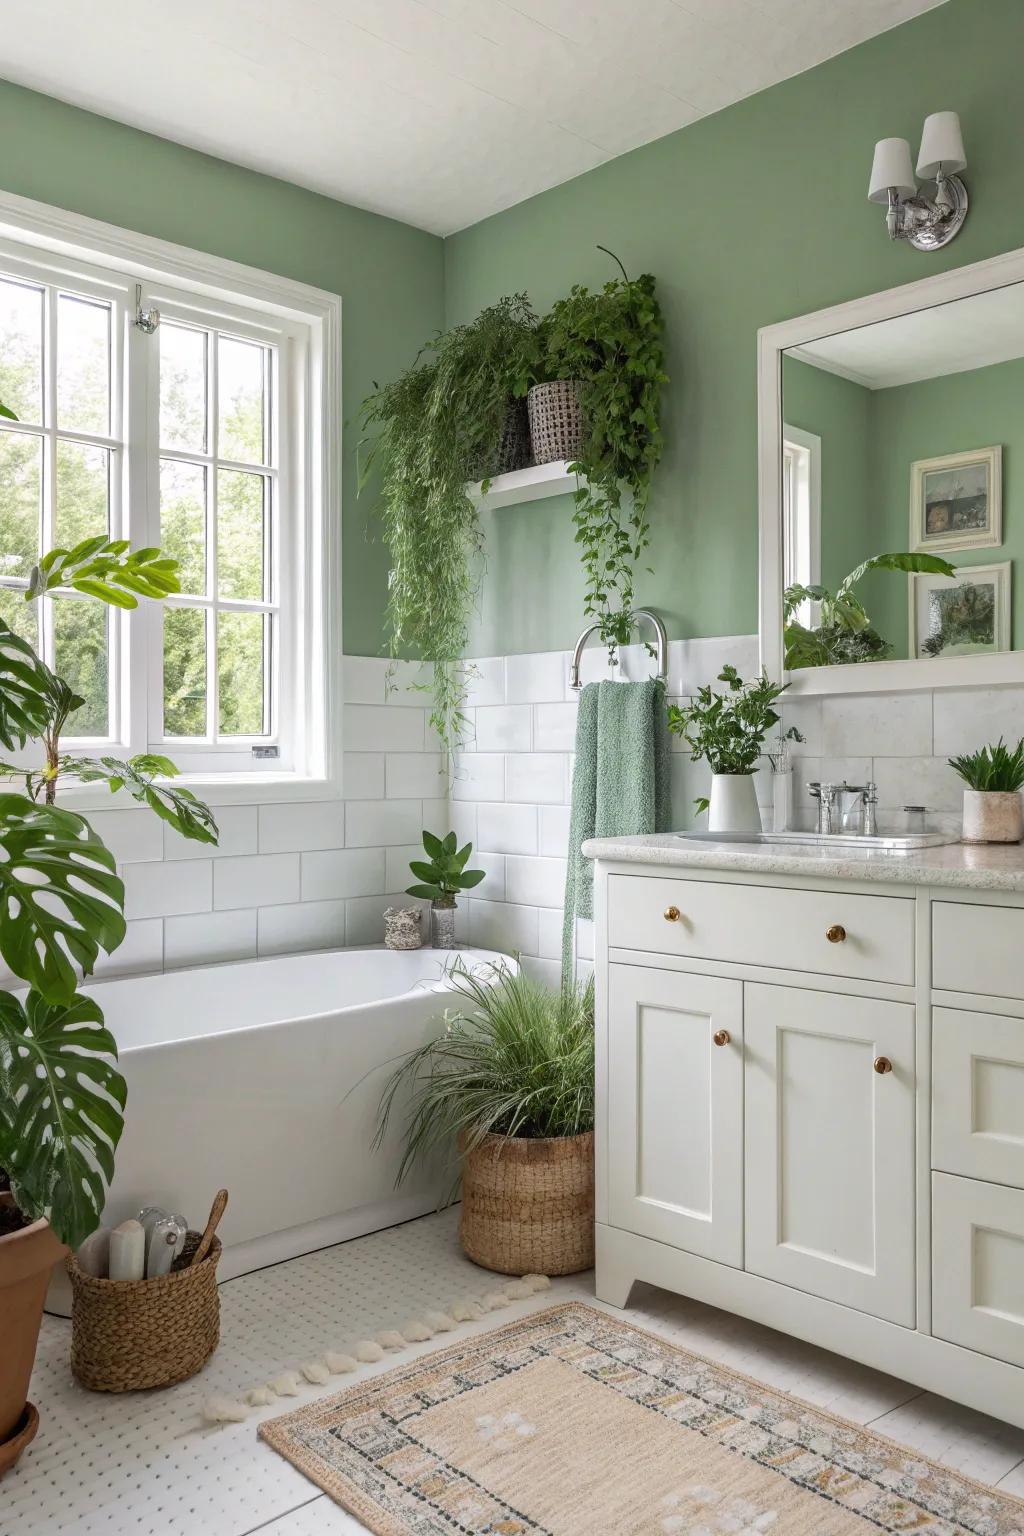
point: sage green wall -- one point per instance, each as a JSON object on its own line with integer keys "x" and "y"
{"x": 949, "y": 415}
{"x": 838, "y": 411}
{"x": 746, "y": 218}
{"x": 390, "y": 276}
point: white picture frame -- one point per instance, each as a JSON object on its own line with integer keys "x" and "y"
{"x": 925, "y": 590}
{"x": 956, "y": 501}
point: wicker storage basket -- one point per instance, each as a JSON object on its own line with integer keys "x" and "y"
{"x": 528, "y": 1206}
{"x": 127, "y": 1334}
{"x": 556, "y": 421}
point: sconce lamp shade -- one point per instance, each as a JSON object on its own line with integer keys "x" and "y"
{"x": 891, "y": 167}
{"x": 941, "y": 144}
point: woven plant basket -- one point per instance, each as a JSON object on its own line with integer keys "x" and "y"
{"x": 127, "y": 1334}
{"x": 528, "y": 1205}
{"x": 556, "y": 421}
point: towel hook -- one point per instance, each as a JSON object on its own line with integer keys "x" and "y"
{"x": 661, "y": 642}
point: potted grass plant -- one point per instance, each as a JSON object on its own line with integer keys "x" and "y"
{"x": 508, "y": 1093}
{"x": 727, "y": 730}
{"x": 62, "y": 1098}
{"x": 994, "y": 776}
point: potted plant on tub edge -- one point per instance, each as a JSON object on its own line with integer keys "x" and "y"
{"x": 441, "y": 876}
{"x": 62, "y": 1098}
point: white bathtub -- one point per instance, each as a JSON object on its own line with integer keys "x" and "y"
{"x": 264, "y": 1077}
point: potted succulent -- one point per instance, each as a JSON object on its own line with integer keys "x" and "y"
{"x": 992, "y": 801}
{"x": 61, "y": 1096}
{"x": 508, "y": 1090}
{"x": 441, "y": 877}
{"x": 727, "y": 730}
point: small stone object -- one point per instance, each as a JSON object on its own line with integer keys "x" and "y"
{"x": 466, "y": 1311}
{"x": 416, "y": 1331}
{"x": 440, "y": 1321}
{"x": 259, "y": 1397}
{"x": 402, "y": 928}
{"x": 390, "y": 1338}
{"x": 316, "y": 1371}
{"x": 537, "y": 1282}
{"x": 340, "y": 1364}
{"x": 286, "y": 1385}
{"x": 223, "y": 1410}
{"x": 369, "y": 1351}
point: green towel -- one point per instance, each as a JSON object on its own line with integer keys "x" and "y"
{"x": 620, "y": 784}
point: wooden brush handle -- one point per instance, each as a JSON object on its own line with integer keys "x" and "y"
{"x": 217, "y": 1209}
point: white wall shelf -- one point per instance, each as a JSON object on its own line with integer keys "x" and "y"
{"x": 522, "y": 485}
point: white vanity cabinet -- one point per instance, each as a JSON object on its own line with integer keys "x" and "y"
{"x": 810, "y": 1107}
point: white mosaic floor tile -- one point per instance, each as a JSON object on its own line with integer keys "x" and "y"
{"x": 141, "y": 1464}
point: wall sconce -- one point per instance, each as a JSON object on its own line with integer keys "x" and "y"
{"x": 928, "y": 223}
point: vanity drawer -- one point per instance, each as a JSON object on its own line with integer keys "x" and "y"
{"x": 978, "y": 1095}
{"x": 978, "y": 949}
{"x": 978, "y": 1266}
{"x": 872, "y": 936}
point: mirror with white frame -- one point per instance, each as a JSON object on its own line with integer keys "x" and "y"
{"x": 895, "y": 441}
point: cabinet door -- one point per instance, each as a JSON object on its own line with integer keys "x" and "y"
{"x": 675, "y": 1109}
{"x": 978, "y": 1266}
{"x": 830, "y": 1146}
{"x": 978, "y": 1095}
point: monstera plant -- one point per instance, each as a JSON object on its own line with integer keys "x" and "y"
{"x": 62, "y": 903}
{"x": 844, "y": 633}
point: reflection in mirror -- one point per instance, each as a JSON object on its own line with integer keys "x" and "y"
{"x": 902, "y": 518}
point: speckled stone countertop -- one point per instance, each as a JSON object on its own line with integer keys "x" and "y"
{"x": 982, "y": 868}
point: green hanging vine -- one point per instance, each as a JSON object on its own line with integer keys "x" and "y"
{"x": 434, "y": 427}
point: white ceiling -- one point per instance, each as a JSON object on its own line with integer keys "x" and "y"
{"x": 437, "y": 112}
{"x": 950, "y": 338}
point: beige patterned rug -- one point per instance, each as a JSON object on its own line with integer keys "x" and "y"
{"x": 575, "y": 1423}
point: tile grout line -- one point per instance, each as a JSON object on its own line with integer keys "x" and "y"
{"x": 284, "y": 1514}
{"x": 1015, "y": 1468}
{"x": 911, "y": 1399}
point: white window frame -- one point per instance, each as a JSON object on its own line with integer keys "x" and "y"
{"x": 304, "y": 324}
{"x": 801, "y": 533}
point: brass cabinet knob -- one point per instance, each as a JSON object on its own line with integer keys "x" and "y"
{"x": 836, "y": 934}
{"x": 882, "y": 1064}
{"x": 721, "y": 1037}
{"x": 672, "y": 914}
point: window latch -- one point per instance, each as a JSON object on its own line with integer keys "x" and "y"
{"x": 146, "y": 320}
{"x": 264, "y": 754}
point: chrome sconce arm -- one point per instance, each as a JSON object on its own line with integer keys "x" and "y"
{"x": 660, "y": 639}
{"x": 926, "y": 223}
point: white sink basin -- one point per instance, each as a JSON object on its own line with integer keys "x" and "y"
{"x": 894, "y": 843}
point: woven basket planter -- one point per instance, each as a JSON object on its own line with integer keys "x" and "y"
{"x": 528, "y": 1205}
{"x": 556, "y": 421}
{"x": 128, "y": 1334}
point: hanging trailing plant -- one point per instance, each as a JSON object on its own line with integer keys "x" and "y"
{"x": 611, "y": 343}
{"x": 433, "y": 429}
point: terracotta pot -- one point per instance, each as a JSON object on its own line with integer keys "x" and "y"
{"x": 993, "y": 816}
{"x": 26, "y": 1259}
{"x": 528, "y": 1204}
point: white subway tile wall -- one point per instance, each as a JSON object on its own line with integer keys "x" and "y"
{"x": 299, "y": 876}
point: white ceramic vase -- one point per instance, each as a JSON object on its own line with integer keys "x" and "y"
{"x": 733, "y": 803}
{"x": 993, "y": 816}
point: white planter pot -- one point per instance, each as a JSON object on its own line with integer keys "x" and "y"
{"x": 733, "y": 803}
{"x": 993, "y": 816}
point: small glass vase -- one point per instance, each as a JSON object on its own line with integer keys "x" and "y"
{"x": 442, "y": 925}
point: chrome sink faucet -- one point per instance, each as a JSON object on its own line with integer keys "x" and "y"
{"x": 848, "y": 809}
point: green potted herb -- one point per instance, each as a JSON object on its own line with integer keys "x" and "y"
{"x": 727, "y": 731}
{"x": 507, "y": 1091}
{"x": 441, "y": 877}
{"x": 448, "y": 420}
{"x": 62, "y": 1098}
{"x": 605, "y": 349}
{"x": 992, "y": 802}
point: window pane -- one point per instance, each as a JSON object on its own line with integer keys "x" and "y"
{"x": 184, "y": 672}
{"x": 83, "y": 481}
{"x": 83, "y": 365}
{"x": 19, "y": 615}
{"x": 21, "y": 350}
{"x": 81, "y": 659}
{"x": 241, "y": 384}
{"x": 182, "y": 388}
{"x": 241, "y": 663}
{"x": 240, "y": 534}
{"x": 20, "y": 496}
{"x": 183, "y": 521}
